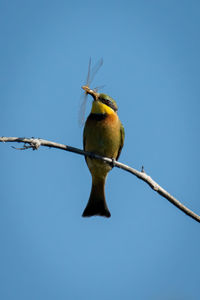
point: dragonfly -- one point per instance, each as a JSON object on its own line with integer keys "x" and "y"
{"x": 90, "y": 77}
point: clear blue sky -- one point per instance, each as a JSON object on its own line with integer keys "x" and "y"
{"x": 148, "y": 249}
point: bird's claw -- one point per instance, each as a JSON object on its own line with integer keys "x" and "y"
{"x": 113, "y": 162}
{"x": 92, "y": 155}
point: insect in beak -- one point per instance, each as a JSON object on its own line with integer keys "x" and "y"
{"x": 93, "y": 93}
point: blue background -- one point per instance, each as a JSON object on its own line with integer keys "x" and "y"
{"x": 148, "y": 249}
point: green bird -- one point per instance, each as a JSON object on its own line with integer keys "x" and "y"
{"x": 103, "y": 135}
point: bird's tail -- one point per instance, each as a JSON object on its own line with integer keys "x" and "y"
{"x": 97, "y": 203}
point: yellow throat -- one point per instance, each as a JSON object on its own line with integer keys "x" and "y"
{"x": 101, "y": 108}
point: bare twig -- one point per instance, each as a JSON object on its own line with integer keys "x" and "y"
{"x": 35, "y": 143}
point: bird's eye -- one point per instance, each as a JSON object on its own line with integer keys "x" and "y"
{"x": 108, "y": 103}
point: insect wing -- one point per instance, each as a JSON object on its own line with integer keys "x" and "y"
{"x": 94, "y": 71}
{"x": 82, "y": 109}
{"x": 90, "y": 76}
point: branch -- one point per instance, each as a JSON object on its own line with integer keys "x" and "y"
{"x": 35, "y": 143}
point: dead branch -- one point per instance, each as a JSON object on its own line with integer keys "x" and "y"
{"x": 35, "y": 143}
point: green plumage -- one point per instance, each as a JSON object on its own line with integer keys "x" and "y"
{"x": 103, "y": 135}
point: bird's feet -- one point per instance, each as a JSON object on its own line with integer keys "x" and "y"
{"x": 113, "y": 162}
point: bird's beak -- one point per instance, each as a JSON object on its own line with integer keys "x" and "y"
{"x": 91, "y": 92}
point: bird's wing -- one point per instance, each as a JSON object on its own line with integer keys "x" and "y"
{"x": 84, "y": 142}
{"x": 84, "y": 137}
{"x": 122, "y": 133}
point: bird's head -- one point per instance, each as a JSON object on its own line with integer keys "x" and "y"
{"x": 102, "y": 103}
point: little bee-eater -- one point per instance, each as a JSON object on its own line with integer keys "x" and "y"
{"x": 103, "y": 135}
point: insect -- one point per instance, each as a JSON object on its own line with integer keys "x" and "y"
{"x": 90, "y": 77}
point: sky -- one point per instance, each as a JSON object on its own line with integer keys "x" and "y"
{"x": 148, "y": 249}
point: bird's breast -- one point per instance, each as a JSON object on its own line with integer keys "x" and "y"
{"x": 102, "y": 134}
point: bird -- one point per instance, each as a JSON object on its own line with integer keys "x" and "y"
{"x": 103, "y": 135}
